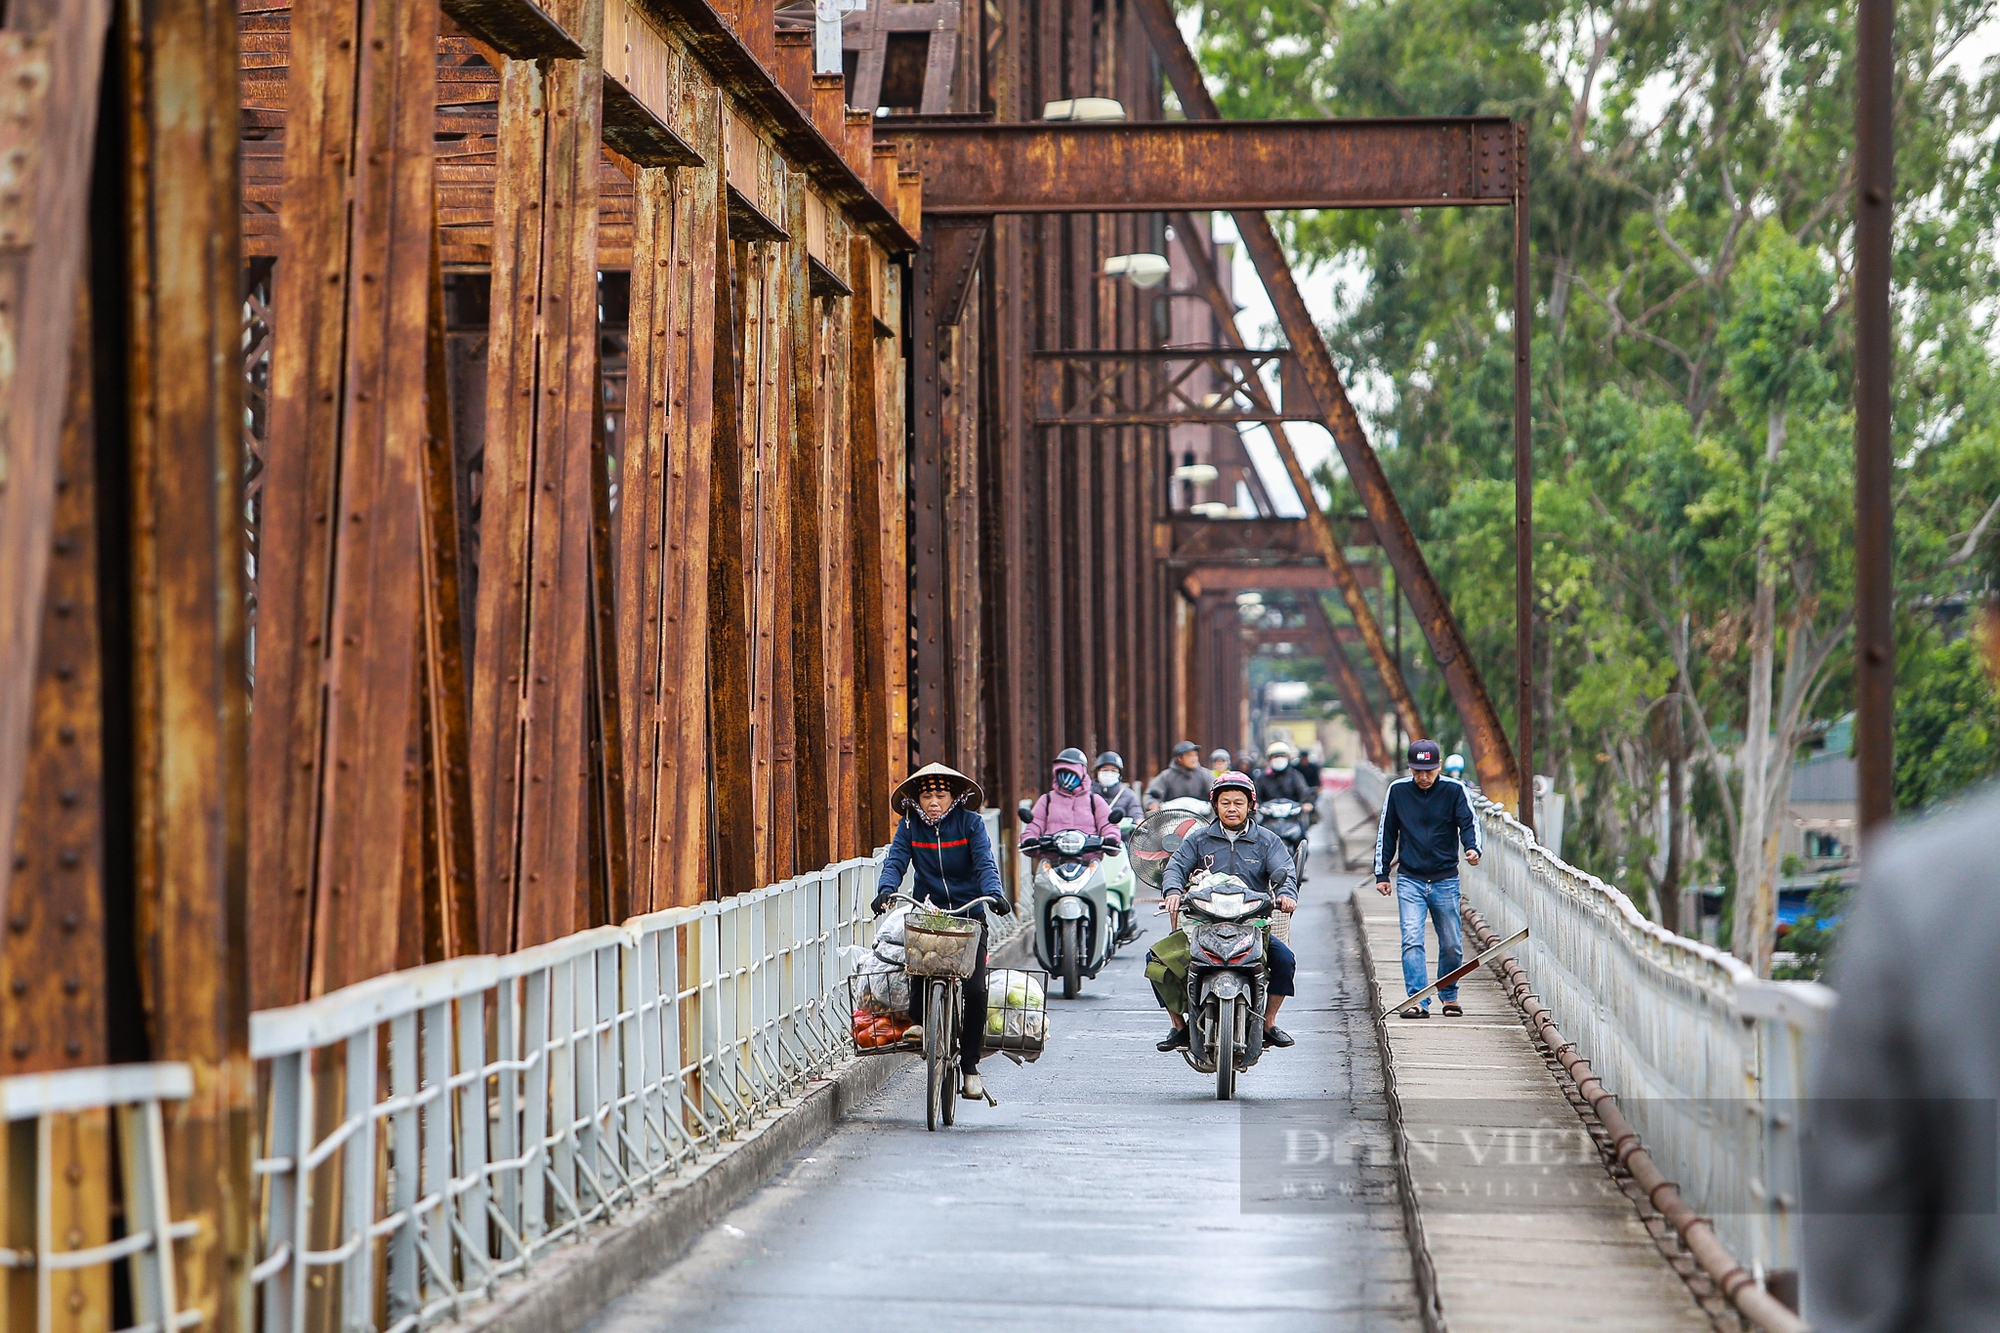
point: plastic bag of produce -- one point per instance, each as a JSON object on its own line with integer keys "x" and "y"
{"x": 852, "y": 956}
{"x": 1017, "y": 1018}
{"x": 889, "y": 989}
{"x": 889, "y": 930}
{"x": 893, "y": 954}
{"x": 875, "y": 1030}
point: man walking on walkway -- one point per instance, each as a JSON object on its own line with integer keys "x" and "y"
{"x": 1425, "y": 820}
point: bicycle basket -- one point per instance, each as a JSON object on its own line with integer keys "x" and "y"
{"x": 1017, "y": 1015}
{"x": 936, "y": 945}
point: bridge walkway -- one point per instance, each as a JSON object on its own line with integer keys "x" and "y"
{"x": 1102, "y": 1193}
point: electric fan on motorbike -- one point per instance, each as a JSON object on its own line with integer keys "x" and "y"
{"x": 1154, "y": 839}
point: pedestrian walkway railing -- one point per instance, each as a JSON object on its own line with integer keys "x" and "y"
{"x": 1706, "y": 1059}
{"x": 432, "y": 1132}
{"x": 80, "y": 1123}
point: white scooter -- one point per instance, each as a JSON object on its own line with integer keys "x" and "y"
{"x": 1074, "y": 928}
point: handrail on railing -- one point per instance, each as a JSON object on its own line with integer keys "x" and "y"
{"x": 1707, "y": 1060}
{"x": 65, "y": 1106}
{"x": 530, "y": 1096}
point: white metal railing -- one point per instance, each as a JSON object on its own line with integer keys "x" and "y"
{"x": 131, "y": 1094}
{"x": 531, "y": 1096}
{"x": 1706, "y": 1059}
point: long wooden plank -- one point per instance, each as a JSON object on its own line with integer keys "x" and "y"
{"x": 531, "y": 655}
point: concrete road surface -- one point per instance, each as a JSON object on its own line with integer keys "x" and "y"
{"x": 1102, "y": 1194}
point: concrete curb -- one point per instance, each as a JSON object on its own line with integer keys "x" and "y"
{"x": 1430, "y": 1307}
{"x": 570, "y": 1285}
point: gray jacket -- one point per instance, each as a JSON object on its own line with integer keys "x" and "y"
{"x": 1901, "y": 1231}
{"x": 1174, "y": 782}
{"x": 1256, "y": 856}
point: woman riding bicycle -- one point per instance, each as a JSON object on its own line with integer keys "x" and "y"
{"x": 942, "y": 838}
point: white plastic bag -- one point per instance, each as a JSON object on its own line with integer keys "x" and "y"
{"x": 893, "y": 954}
{"x": 889, "y": 930}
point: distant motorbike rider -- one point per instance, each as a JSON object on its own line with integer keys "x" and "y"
{"x": 1309, "y": 769}
{"x": 942, "y": 838}
{"x": 1454, "y": 766}
{"x": 1234, "y": 844}
{"x": 1111, "y": 785}
{"x": 1070, "y": 804}
{"x": 1280, "y": 781}
{"x": 1183, "y": 778}
{"x": 1218, "y": 762}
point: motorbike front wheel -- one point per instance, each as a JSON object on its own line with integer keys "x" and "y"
{"x": 1070, "y": 935}
{"x": 1225, "y": 1049}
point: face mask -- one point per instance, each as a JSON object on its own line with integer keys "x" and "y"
{"x": 1280, "y": 764}
{"x": 1107, "y": 777}
{"x": 1068, "y": 781}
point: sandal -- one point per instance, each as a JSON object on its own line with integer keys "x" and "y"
{"x": 1415, "y": 1012}
{"x": 1451, "y": 1009}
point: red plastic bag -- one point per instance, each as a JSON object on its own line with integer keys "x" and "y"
{"x": 873, "y": 1030}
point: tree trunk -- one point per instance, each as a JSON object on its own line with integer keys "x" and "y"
{"x": 1755, "y": 853}
{"x": 1670, "y": 880}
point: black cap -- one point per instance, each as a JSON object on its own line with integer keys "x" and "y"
{"x": 1424, "y": 754}
{"x": 1185, "y": 747}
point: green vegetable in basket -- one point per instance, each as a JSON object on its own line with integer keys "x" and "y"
{"x": 996, "y": 1020}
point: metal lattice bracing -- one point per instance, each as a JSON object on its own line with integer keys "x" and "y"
{"x": 1157, "y": 387}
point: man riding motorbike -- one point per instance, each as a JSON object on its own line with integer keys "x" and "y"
{"x": 1124, "y": 802}
{"x": 1184, "y": 777}
{"x": 942, "y": 836}
{"x": 1280, "y": 781}
{"x": 1070, "y": 804}
{"x": 1234, "y": 845}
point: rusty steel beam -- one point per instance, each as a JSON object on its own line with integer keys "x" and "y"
{"x": 529, "y": 722}
{"x": 1353, "y": 696}
{"x": 1230, "y": 165}
{"x": 51, "y": 85}
{"x": 340, "y": 531}
{"x": 185, "y": 654}
{"x": 1182, "y": 540}
{"x": 1493, "y": 756}
{"x": 1318, "y": 523}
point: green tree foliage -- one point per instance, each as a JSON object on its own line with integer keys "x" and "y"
{"x": 1693, "y": 349}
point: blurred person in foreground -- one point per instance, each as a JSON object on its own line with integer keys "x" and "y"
{"x": 1901, "y": 1227}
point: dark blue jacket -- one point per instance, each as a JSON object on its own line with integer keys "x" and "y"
{"x": 1425, "y": 828}
{"x": 954, "y": 861}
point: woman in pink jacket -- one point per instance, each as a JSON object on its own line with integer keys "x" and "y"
{"x": 1071, "y": 804}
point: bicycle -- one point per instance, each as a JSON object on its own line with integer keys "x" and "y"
{"x": 942, "y": 958}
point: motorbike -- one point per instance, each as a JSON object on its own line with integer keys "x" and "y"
{"x": 1121, "y": 887}
{"x": 1074, "y": 927}
{"x": 1225, "y": 920}
{"x": 1290, "y": 820}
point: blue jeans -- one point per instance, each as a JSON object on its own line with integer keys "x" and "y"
{"x": 1439, "y": 898}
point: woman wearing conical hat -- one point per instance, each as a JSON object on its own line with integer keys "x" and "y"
{"x": 942, "y": 838}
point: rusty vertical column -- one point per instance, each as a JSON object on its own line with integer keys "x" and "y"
{"x": 931, "y": 724}
{"x": 663, "y": 546}
{"x": 529, "y": 672}
{"x": 52, "y": 82}
{"x": 341, "y": 527}
{"x": 1874, "y": 367}
{"x": 187, "y": 654}
{"x": 1524, "y": 488}
{"x": 816, "y": 765}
